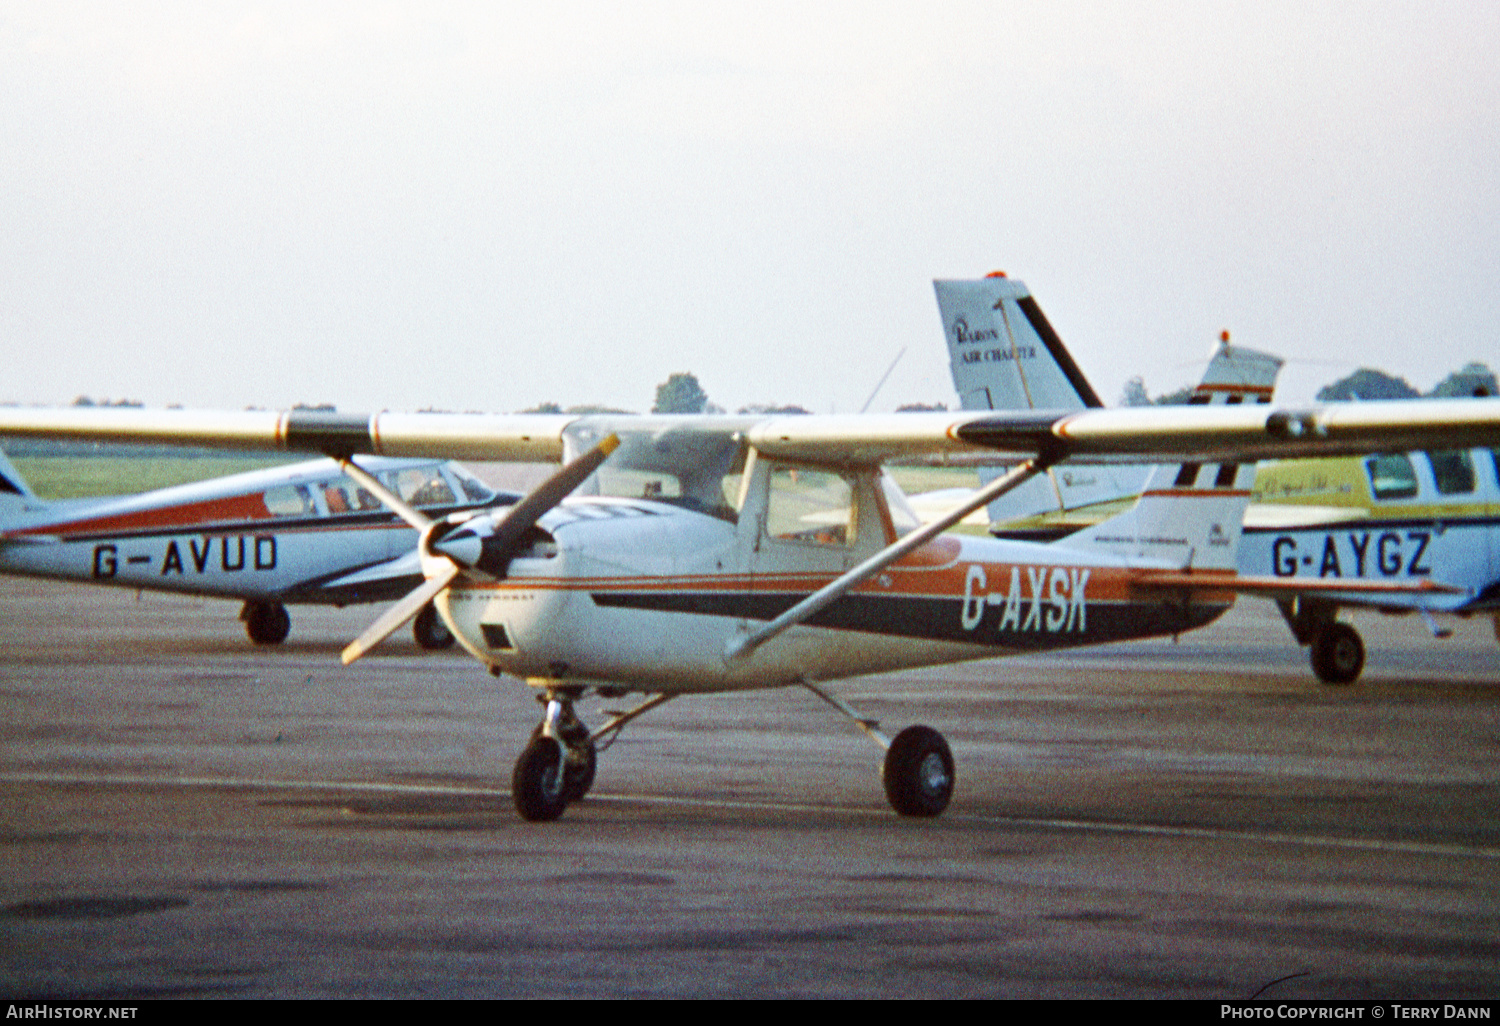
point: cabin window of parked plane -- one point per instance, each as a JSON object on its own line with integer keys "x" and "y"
{"x": 1453, "y": 470}
{"x": 421, "y": 486}
{"x": 342, "y": 495}
{"x": 1392, "y": 476}
{"x": 810, "y": 506}
{"x": 288, "y": 501}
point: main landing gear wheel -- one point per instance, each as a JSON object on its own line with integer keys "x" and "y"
{"x": 267, "y": 623}
{"x": 1338, "y": 654}
{"x": 430, "y": 630}
{"x": 918, "y": 772}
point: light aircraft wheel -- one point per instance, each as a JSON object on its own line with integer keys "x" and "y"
{"x": 267, "y": 623}
{"x": 918, "y": 772}
{"x": 578, "y": 776}
{"x": 1338, "y": 654}
{"x": 583, "y": 760}
{"x": 537, "y": 784}
{"x": 430, "y": 630}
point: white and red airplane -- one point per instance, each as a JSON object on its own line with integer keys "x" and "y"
{"x": 299, "y": 534}
{"x": 673, "y": 555}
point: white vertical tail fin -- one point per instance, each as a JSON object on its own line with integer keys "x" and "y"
{"x": 1006, "y": 356}
{"x": 1004, "y": 353}
{"x": 1190, "y": 522}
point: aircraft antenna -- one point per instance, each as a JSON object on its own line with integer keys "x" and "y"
{"x": 881, "y": 384}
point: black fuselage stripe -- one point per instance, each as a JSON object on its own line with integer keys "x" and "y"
{"x": 934, "y": 618}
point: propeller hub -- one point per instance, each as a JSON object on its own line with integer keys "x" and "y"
{"x": 463, "y": 546}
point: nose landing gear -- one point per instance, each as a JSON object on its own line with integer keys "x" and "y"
{"x": 557, "y": 766}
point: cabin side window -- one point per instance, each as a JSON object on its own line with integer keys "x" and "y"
{"x": 474, "y": 489}
{"x": 1392, "y": 476}
{"x": 342, "y": 495}
{"x": 1453, "y": 470}
{"x": 815, "y": 506}
{"x": 420, "y": 486}
{"x": 288, "y": 501}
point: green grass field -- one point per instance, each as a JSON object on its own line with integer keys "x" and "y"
{"x": 77, "y": 477}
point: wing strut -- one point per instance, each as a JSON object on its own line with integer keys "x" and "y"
{"x": 741, "y": 647}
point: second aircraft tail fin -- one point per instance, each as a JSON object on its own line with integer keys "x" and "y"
{"x": 1188, "y": 518}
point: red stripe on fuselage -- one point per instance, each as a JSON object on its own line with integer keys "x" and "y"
{"x": 250, "y": 507}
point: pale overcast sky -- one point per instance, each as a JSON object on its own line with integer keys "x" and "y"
{"x": 483, "y": 206}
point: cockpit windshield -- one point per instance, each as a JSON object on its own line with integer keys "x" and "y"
{"x": 698, "y": 470}
{"x": 474, "y": 489}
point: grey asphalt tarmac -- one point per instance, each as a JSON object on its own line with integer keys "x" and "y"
{"x": 184, "y": 815}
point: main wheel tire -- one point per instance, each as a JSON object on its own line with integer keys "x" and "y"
{"x": 1338, "y": 654}
{"x": 537, "y": 784}
{"x": 430, "y": 630}
{"x": 267, "y": 623}
{"x": 918, "y": 772}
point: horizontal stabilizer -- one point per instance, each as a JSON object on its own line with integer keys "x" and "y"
{"x": 1283, "y": 587}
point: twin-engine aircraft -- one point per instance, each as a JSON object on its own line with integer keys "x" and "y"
{"x": 299, "y": 534}
{"x": 671, "y": 555}
{"x": 1395, "y": 531}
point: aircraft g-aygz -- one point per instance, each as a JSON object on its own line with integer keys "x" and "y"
{"x": 714, "y": 553}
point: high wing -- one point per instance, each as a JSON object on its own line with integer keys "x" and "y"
{"x": 1208, "y": 434}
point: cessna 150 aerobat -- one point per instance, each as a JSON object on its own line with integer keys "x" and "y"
{"x": 304, "y": 533}
{"x": 714, "y": 553}
{"x": 1399, "y": 532}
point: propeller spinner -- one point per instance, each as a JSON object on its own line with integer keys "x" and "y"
{"x": 450, "y": 546}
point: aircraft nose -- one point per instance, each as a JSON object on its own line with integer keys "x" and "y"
{"x": 463, "y": 546}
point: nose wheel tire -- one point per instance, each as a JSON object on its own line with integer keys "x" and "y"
{"x": 578, "y": 774}
{"x": 918, "y": 772}
{"x": 538, "y": 785}
{"x": 1338, "y": 654}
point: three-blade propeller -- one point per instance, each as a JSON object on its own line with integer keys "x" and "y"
{"x": 452, "y": 545}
